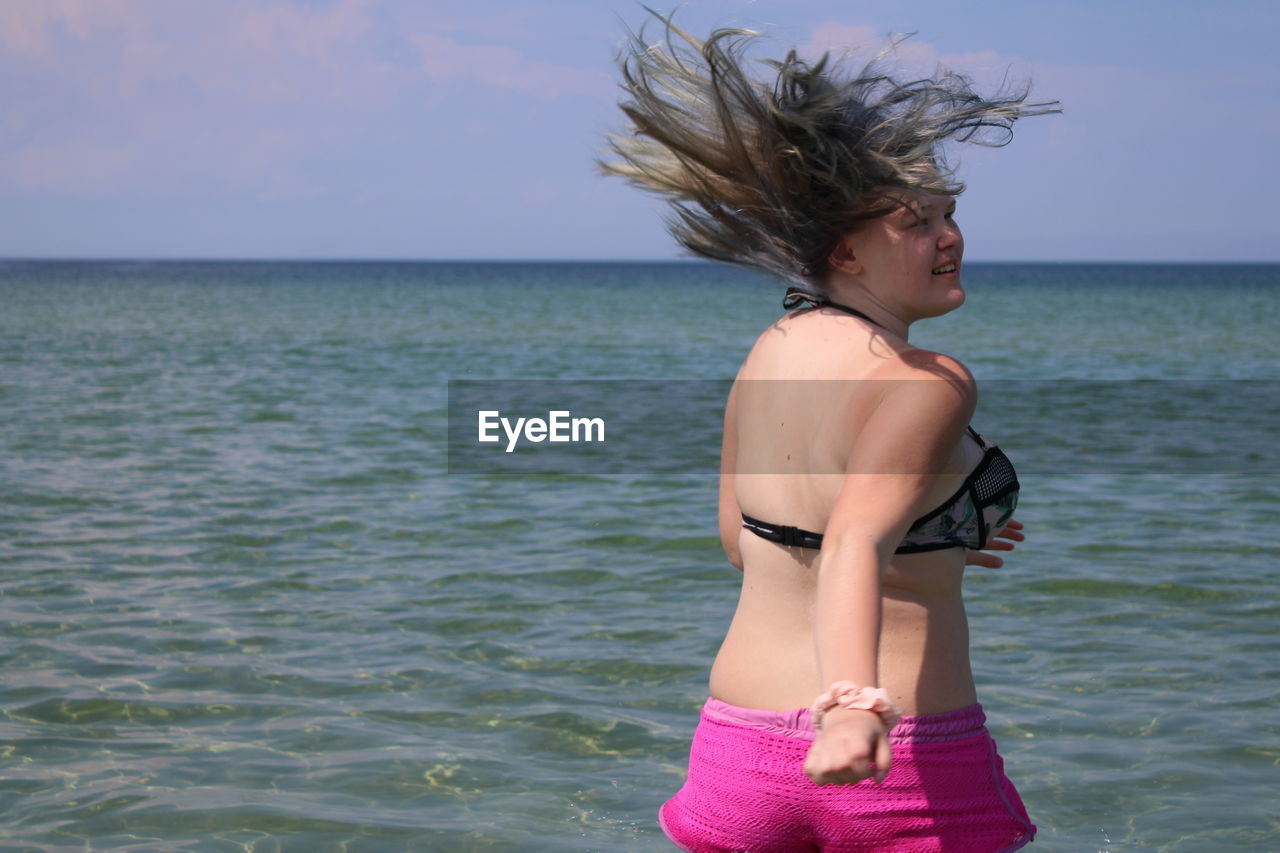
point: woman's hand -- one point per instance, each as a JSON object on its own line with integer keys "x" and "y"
{"x": 1002, "y": 541}
{"x": 852, "y": 746}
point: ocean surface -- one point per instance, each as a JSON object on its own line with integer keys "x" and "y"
{"x": 248, "y": 605}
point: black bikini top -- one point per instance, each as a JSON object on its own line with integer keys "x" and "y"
{"x": 979, "y": 508}
{"x": 968, "y": 519}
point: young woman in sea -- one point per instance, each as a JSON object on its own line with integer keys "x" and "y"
{"x": 843, "y": 713}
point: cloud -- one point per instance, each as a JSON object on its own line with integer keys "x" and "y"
{"x": 506, "y": 68}
{"x": 87, "y": 165}
{"x": 865, "y": 42}
{"x": 29, "y": 29}
{"x": 177, "y": 94}
{"x": 906, "y": 52}
{"x": 274, "y": 43}
{"x": 832, "y": 37}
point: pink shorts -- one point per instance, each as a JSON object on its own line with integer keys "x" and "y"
{"x": 946, "y": 791}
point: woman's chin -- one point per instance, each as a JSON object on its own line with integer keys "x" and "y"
{"x": 949, "y": 301}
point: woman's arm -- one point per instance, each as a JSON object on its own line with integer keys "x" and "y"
{"x": 730, "y": 514}
{"x": 899, "y": 454}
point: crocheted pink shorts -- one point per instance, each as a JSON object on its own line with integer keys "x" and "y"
{"x": 946, "y": 791}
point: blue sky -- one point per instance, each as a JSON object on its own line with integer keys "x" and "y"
{"x": 442, "y": 129}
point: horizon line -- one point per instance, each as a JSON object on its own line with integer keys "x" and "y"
{"x": 375, "y": 260}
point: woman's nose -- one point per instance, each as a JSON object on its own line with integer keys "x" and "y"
{"x": 950, "y": 236}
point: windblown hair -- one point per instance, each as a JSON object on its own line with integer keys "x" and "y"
{"x": 772, "y": 174}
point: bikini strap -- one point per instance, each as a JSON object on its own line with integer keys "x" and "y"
{"x": 796, "y": 297}
{"x": 982, "y": 442}
{"x": 791, "y": 537}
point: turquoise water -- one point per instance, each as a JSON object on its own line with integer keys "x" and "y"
{"x": 244, "y": 607}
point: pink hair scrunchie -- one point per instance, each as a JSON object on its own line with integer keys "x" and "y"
{"x": 851, "y": 697}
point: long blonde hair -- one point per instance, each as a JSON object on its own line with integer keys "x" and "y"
{"x": 772, "y": 173}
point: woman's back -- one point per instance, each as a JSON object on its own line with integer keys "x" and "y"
{"x": 800, "y": 402}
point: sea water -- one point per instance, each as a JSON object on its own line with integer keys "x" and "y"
{"x": 248, "y": 605}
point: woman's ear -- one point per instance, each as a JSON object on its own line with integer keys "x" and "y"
{"x": 844, "y": 258}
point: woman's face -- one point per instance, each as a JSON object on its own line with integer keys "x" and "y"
{"x": 910, "y": 259}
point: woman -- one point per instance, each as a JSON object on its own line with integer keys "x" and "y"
{"x": 843, "y": 714}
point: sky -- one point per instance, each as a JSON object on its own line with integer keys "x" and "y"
{"x": 467, "y": 129}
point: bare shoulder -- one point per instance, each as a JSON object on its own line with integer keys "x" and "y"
{"x": 919, "y": 363}
{"x": 814, "y": 347}
{"x": 904, "y": 361}
{"x": 923, "y": 378}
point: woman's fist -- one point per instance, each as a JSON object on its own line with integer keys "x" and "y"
{"x": 852, "y": 746}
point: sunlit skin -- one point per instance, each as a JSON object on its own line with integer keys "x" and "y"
{"x": 872, "y": 616}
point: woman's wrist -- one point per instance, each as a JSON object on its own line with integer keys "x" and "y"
{"x": 847, "y": 696}
{"x": 837, "y": 717}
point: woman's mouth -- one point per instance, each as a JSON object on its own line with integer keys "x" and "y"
{"x": 946, "y": 268}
